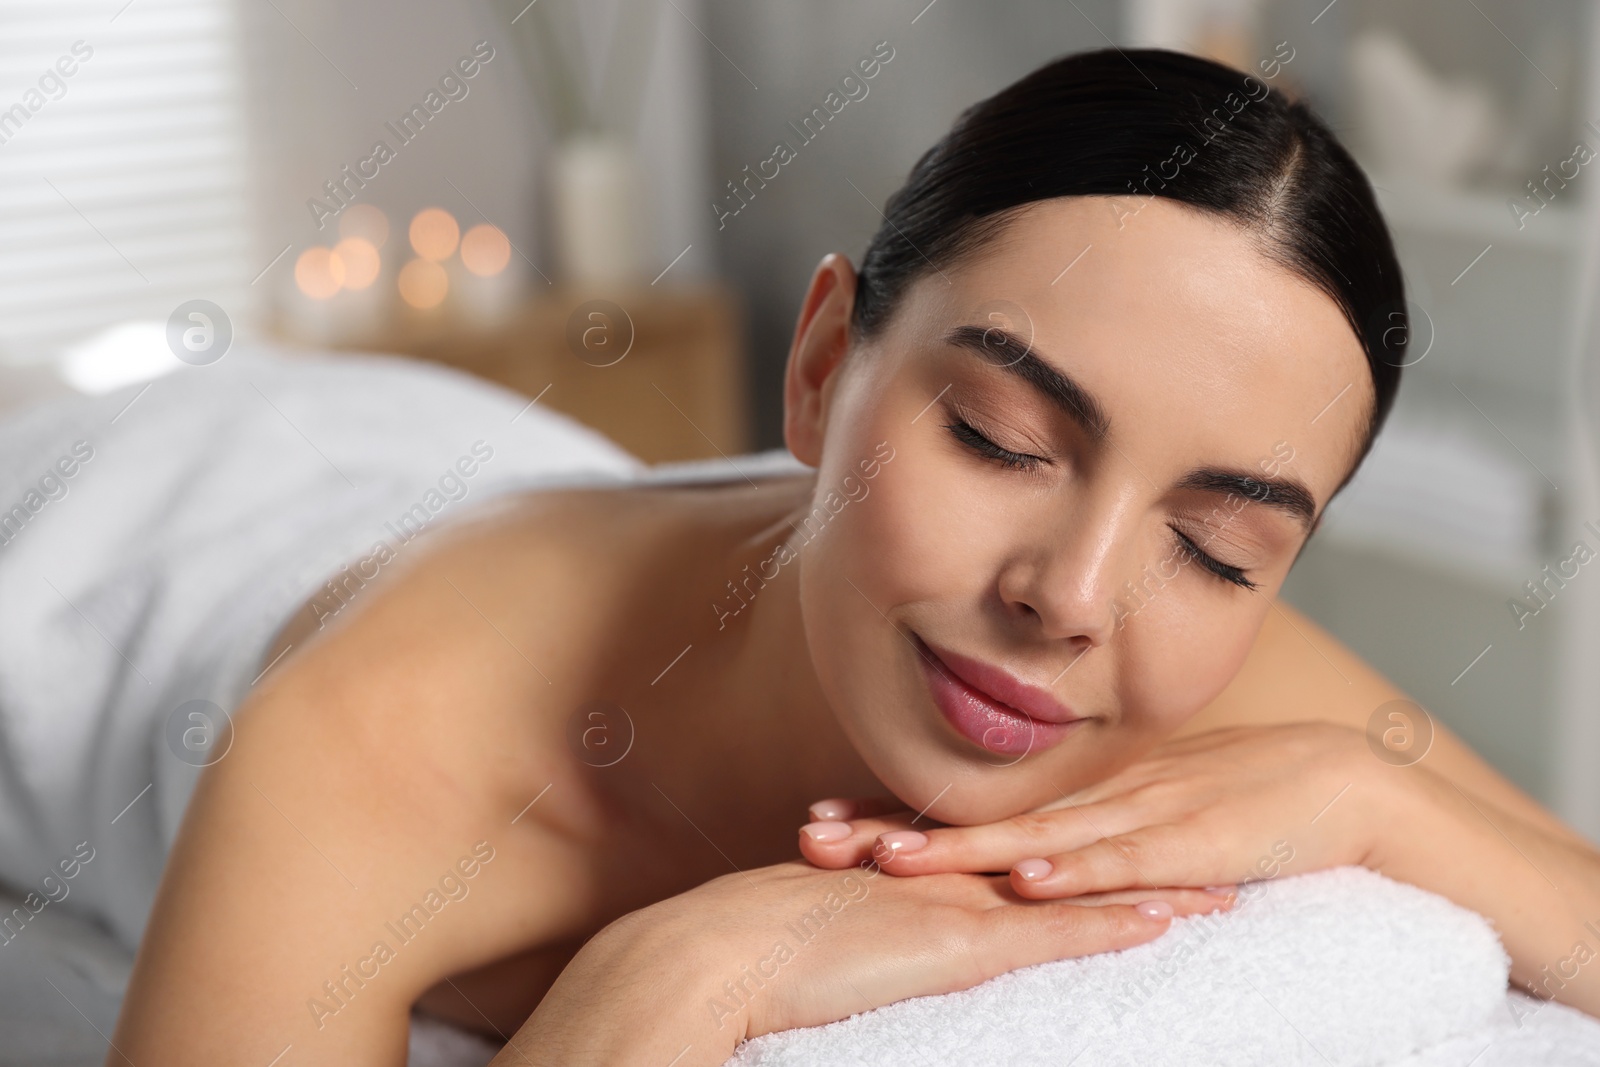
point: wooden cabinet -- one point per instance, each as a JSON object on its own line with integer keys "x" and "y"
{"x": 659, "y": 371}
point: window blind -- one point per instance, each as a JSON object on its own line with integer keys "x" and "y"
{"x": 122, "y": 167}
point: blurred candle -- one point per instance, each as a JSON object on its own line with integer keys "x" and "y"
{"x": 485, "y": 250}
{"x": 434, "y": 233}
{"x": 486, "y": 288}
{"x": 308, "y": 299}
{"x": 360, "y": 308}
{"x": 318, "y": 273}
{"x": 359, "y": 260}
{"x": 423, "y": 284}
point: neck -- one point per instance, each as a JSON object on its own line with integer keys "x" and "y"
{"x": 759, "y": 740}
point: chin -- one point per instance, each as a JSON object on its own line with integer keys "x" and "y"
{"x": 893, "y": 721}
{"x": 929, "y": 772}
{"x": 984, "y": 796}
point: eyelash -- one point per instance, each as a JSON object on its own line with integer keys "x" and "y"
{"x": 964, "y": 432}
{"x": 1222, "y": 570}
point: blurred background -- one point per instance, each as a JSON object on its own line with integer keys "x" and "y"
{"x": 587, "y": 202}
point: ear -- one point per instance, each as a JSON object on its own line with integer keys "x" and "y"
{"x": 821, "y": 341}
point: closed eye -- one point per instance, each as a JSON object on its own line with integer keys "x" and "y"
{"x": 975, "y": 441}
{"x": 1222, "y": 570}
{"x": 963, "y": 431}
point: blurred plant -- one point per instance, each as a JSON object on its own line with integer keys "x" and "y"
{"x": 550, "y": 47}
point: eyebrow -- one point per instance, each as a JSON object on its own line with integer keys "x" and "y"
{"x": 1281, "y": 494}
{"x": 1001, "y": 348}
{"x": 1006, "y": 350}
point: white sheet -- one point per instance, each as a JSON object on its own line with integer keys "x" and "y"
{"x": 199, "y": 512}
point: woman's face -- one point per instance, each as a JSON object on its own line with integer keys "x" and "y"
{"x": 1174, "y": 409}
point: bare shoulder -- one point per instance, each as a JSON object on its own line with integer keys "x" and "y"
{"x": 477, "y": 623}
{"x": 375, "y": 801}
{"x": 1298, "y": 672}
{"x": 462, "y": 669}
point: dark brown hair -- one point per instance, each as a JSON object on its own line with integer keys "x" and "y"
{"x": 1149, "y": 122}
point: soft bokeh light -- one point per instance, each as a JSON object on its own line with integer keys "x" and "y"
{"x": 423, "y": 283}
{"x": 360, "y": 260}
{"x": 485, "y": 250}
{"x": 364, "y": 221}
{"x": 319, "y": 273}
{"x": 434, "y": 233}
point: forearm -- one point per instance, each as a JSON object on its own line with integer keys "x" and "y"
{"x": 1541, "y": 892}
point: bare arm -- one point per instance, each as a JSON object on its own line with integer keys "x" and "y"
{"x": 354, "y": 847}
{"x": 1298, "y": 672}
{"x": 774, "y": 948}
{"x": 1449, "y": 823}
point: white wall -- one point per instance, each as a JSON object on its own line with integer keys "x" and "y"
{"x": 948, "y": 55}
{"x": 322, "y": 79}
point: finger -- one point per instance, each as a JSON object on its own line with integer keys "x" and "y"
{"x": 997, "y": 846}
{"x": 1124, "y": 781}
{"x": 1184, "y": 902}
{"x": 1026, "y": 934}
{"x": 1147, "y": 858}
{"x": 843, "y": 809}
{"x": 834, "y": 845}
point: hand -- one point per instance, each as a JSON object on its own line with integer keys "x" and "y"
{"x": 1214, "y": 809}
{"x": 790, "y": 945}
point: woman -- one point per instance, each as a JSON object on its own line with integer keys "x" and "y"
{"x": 1120, "y": 339}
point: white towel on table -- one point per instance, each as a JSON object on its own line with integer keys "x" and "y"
{"x": 1340, "y": 967}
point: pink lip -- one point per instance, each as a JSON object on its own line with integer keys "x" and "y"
{"x": 991, "y": 708}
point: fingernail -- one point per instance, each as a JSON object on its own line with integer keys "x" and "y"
{"x": 1154, "y": 909}
{"x": 833, "y": 810}
{"x": 1033, "y": 870}
{"x": 826, "y": 830}
{"x": 895, "y": 842}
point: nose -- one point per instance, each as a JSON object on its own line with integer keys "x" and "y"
{"x": 1064, "y": 576}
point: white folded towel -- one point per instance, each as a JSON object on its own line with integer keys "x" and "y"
{"x": 1338, "y": 967}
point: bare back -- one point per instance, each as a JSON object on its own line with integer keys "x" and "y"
{"x": 409, "y": 736}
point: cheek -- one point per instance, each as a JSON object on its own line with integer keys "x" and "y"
{"x": 845, "y": 596}
{"x": 870, "y": 417}
{"x": 1182, "y": 650}
{"x": 915, "y": 537}
{"x": 922, "y": 542}
{"x": 853, "y": 566}
{"x": 895, "y": 556}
